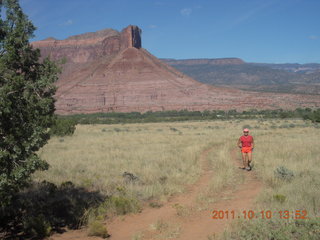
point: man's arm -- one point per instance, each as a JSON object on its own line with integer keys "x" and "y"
{"x": 252, "y": 144}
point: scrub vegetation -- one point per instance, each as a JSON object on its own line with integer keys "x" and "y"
{"x": 123, "y": 168}
{"x": 159, "y": 159}
{"x": 185, "y": 115}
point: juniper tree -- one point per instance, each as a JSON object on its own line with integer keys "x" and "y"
{"x": 26, "y": 101}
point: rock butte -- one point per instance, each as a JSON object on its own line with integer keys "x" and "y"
{"x": 109, "y": 71}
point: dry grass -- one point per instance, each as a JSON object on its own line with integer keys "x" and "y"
{"x": 286, "y": 158}
{"x": 224, "y": 173}
{"x": 166, "y": 230}
{"x": 164, "y": 156}
{"x": 297, "y": 150}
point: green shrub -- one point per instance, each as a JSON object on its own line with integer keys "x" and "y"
{"x": 37, "y": 226}
{"x": 63, "y": 127}
{"x": 46, "y": 207}
{"x": 121, "y": 205}
{"x": 279, "y": 198}
{"x": 98, "y": 229}
{"x": 113, "y": 205}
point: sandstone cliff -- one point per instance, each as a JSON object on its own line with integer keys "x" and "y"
{"x": 110, "y": 71}
{"x": 88, "y": 47}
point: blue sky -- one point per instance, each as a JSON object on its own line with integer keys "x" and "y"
{"x": 269, "y": 31}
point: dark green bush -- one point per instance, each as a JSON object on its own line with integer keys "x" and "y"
{"x": 63, "y": 127}
{"x": 185, "y": 115}
{"x": 37, "y": 226}
{"x": 45, "y": 207}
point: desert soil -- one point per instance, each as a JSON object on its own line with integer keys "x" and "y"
{"x": 192, "y": 223}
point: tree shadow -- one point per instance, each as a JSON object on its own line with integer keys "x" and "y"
{"x": 44, "y": 208}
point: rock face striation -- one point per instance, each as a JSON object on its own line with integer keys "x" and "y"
{"x": 110, "y": 71}
{"x": 90, "y": 46}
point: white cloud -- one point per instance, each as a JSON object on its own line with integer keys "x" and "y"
{"x": 313, "y": 37}
{"x": 186, "y": 11}
{"x": 252, "y": 12}
{"x": 68, "y": 23}
{"x": 152, "y": 26}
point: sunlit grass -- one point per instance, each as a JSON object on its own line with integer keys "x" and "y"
{"x": 164, "y": 156}
{"x": 297, "y": 150}
{"x": 287, "y": 161}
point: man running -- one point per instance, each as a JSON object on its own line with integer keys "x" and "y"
{"x": 246, "y": 144}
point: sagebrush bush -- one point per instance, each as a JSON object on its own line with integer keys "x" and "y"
{"x": 155, "y": 204}
{"x": 283, "y": 173}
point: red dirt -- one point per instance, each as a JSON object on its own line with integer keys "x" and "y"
{"x": 198, "y": 225}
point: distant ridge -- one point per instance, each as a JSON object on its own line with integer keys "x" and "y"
{"x": 285, "y": 78}
{"x": 199, "y": 61}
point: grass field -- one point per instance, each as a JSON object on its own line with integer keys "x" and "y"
{"x": 287, "y": 160}
{"x": 165, "y": 157}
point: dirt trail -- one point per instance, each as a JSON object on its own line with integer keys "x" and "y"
{"x": 198, "y": 225}
{"x": 202, "y": 225}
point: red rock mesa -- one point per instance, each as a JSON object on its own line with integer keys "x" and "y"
{"x": 110, "y": 71}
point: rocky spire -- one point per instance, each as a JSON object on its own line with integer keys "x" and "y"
{"x": 131, "y": 37}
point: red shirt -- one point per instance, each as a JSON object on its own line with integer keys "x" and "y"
{"x": 246, "y": 141}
